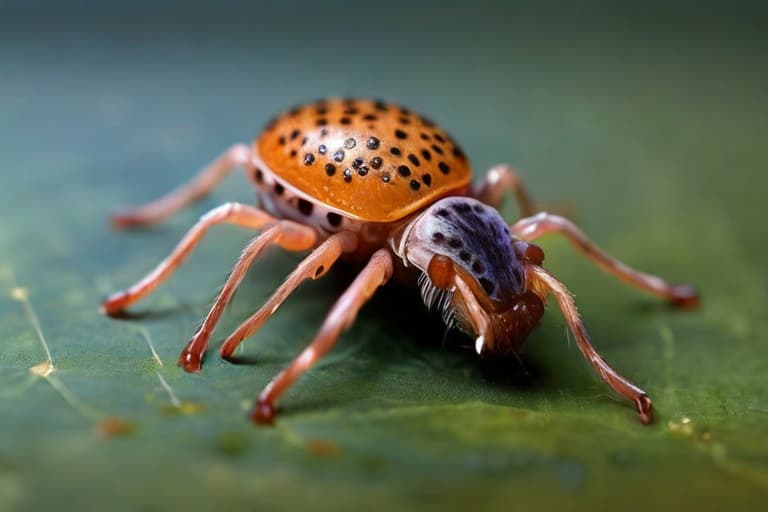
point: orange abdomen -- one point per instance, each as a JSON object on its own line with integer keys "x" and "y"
{"x": 370, "y": 160}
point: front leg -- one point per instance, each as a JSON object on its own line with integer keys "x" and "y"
{"x": 531, "y": 228}
{"x": 498, "y": 180}
{"x": 615, "y": 380}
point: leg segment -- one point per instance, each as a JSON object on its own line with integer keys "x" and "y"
{"x": 315, "y": 265}
{"x": 619, "y": 384}
{"x": 498, "y": 180}
{"x": 376, "y": 272}
{"x": 531, "y": 228}
{"x": 288, "y": 235}
{"x": 191, "y": 191}
{"x": 231, "y": 213}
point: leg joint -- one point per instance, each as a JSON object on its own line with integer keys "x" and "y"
{"x": 223, "y": 211}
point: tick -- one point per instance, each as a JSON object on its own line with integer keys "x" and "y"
{"x": 372, "y": 182}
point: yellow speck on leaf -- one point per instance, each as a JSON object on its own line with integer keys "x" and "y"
{"x": 43, "y": 369}
{"x": 19, "y": 293}
{"x": 682, "y": 426}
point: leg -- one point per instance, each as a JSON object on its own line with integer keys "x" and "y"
{"x": 288, "y": 235}
{"x": 232, "y": 213}
{"x": 498, "y": 180}
{"x": 198, "y": 187}
{"x": 531, "y": 228}
{"x": 619, "y": 384}
{"x": 315, "y": 265}
{"x": 376, "y": 272}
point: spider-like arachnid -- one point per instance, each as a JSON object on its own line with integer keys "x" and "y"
{"x": 371, "y": 181}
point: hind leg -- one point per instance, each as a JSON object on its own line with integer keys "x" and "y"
{"x": 230, "y": 213}
{"x": 191, "y": 191}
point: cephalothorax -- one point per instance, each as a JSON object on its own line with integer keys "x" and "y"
{"x": 372, "y": 181}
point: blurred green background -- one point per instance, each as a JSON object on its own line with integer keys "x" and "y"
{"x": 650, "y": 122}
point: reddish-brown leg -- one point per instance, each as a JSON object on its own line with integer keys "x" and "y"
{"x": 191, "y": 191}
{"x": 316, "y": 264}
{"x": 230, "y": 213}
{"x": 376, "y": 272}
{"x": 619, "y": 384}
{"x": 540, "y": 224}
{"x": 288, "y": 235}
{"x": 498, "y": 180}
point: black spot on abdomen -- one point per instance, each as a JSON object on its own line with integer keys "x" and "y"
{"x": 305, "y": 207}
{"x": 334, "y": 219}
